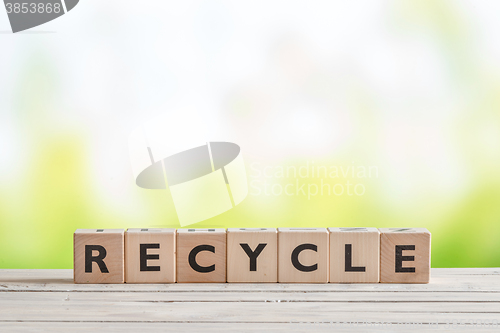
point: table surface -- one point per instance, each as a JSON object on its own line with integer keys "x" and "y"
{"x": 48, "y": 300}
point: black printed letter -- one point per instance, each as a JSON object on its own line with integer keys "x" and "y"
{"x": 253, "y": 255}
{"x": 348, "y": 261}
{"x": 400, "y": 258}
{"x": 144, "y": 257}
{"x": 89, "y": 258}
{"x": 295, "y": 257}
{"x": 192, "y": 259}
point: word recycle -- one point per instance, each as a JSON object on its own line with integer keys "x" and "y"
{"x": 251, "y": 255}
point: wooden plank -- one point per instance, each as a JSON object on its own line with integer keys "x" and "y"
{"x": 240, "y": 327}
{"x": 236, "y": 327}
{"x": 353, "y": 297}
{"x": 238, "y": 312}
{"x": 47, "y": 300}
{"x": 444, "y": 280}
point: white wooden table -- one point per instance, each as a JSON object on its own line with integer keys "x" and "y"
{"x": 47, "y": 300}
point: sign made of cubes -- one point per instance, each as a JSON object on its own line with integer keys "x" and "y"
{"x": 285, "y": 255}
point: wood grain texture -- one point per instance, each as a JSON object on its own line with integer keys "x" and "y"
{"x": 187, "y": 241}
{"x": 111, "y": 244}
{"x": 164, "y": 271}
{"x": 363, "y": 244}
{"x": 316, "y": 261}
{"x": 48, "y": 300}
{"x": 448, "y": 280}
{"x": 239, "y": 265}
{"x": 414, "y": 252}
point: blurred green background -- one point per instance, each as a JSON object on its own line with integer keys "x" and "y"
{"x": 411, "y": 87}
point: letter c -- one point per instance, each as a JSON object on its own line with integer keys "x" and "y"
{"x": 192, "y": 259}
{"x": 295, "y": 257}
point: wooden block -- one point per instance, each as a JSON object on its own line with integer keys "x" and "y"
{"x": 201, "y": 255}
{"x": 98, "y": 256}
{"x": 252, "y": 255}
{"x": 405, "y": 255}
{"x": 150, "y": 255}
{"x": 303, "y": 255}
{"x": 354, "y": 255}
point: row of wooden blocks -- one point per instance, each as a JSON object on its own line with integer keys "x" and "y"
{"x": 287, "y": 255}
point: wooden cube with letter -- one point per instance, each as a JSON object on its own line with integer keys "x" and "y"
{"x": 354, "y": 255}
{"x": 252, "y": 255}
{"x": 150, "y": 255}
{"x": 303, "y": 255}
{"x": 98, "y": 256}
{"x": 201, "y": 255}
{"x": 405, "y": 255}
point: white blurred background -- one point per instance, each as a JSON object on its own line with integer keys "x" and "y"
{"x": 408, "y": 86}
